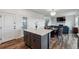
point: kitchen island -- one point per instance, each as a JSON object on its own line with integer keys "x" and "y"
{"x": 37, "y": 38}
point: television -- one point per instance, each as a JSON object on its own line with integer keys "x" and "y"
{"x": 61, "y": 19}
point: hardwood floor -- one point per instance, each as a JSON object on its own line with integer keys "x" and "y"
{"x": 69, "y": 42}
{"x": 19, "y": 44}
{"x": 54, "y": 44}
{"x": 14, "y": 44}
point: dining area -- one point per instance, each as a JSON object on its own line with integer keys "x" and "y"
{"x": 64, "y": 39}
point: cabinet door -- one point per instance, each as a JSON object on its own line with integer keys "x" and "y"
{"x": 18, "y": 27}
{"x": 27, "y": 38}
{"x": 8, "y": 27}
{"x": 36, "y": 41}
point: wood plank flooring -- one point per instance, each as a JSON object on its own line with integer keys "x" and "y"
{"x": 14, "y": 44}
{"x": 54, "y": 44}
{"x": 19, "y": 44}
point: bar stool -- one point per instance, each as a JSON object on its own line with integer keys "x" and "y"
{"x": 65, "y": 35}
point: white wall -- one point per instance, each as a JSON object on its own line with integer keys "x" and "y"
{"x": 40, "y": 22}
{"x": 31, "y": 23}
{"x": 70, "y": 21}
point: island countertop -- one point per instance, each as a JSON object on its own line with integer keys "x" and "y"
{"x": 40, "y": 32}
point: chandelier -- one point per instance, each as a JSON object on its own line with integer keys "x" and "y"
{"x": 53, "y": 12}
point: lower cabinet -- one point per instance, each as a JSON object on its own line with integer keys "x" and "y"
{"x": 27, "y": 39}
{"x": 36, "y": 41}
{"x": 32, "y": 40}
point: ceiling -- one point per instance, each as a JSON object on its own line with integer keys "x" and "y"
{"x": 59, "y": 12}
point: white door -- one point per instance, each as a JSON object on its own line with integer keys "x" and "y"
{"x": 0, "y": 29}
{"x": 8, "y": 27}
{"x": 18, "y": 24}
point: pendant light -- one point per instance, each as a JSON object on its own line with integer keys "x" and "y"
{"x": 53, "y": 13}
